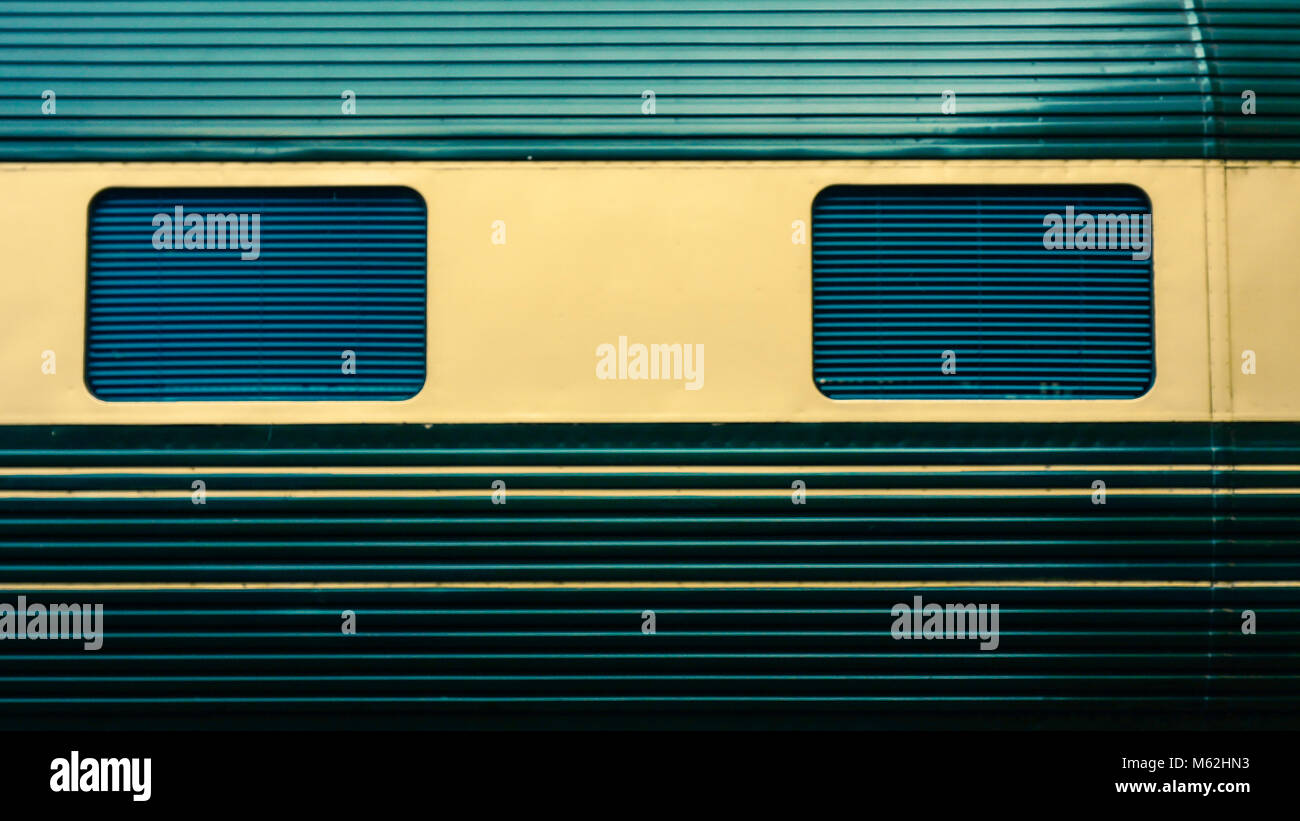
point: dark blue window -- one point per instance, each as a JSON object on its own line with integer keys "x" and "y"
{"x": 973, "y": 292}
{"x": 257, "y": 294}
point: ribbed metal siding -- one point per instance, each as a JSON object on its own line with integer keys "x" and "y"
{"x": 464, "y": 605}
{"x": 903, "y": 275}
{"x": 1258, "y": 538}
{"x": 1253, "y": 45}
{"x": 732, "y": 78}
{"x": 339, "y": 270}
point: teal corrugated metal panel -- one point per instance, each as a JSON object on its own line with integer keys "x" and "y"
{"x": 1259, "y": 539}
{"x": 483, "y": 79}
{"x": 1255, "y": 48}
{"x": 1102, "y": 607}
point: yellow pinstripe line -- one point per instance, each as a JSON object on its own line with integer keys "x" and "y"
{"x": 33, "y": 495}
{"x": 613, "y": 470}
{"x": 632, "y": 585}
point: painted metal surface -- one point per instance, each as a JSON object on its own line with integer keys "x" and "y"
{"x": 759, "y": 603}
{"x": 233, "y": 607}
{"x": 736, "y": 79}
{"x": 679, "y": 253}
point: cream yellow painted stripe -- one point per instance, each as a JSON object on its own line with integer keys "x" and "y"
{"x": 543, "y": 362}
{"x": 619, "y": 470}
{"x": 634, "y": 585}
{"x": 657, "y": 493}
{"x": 35, "y": 495}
